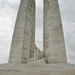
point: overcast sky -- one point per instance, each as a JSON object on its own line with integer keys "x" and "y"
{"x": 8, "y": 12}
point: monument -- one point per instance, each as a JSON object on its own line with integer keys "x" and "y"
{"x": 25, "y": 58}
{"x": 54, "y": 46}
{"x": 24, "y": 33}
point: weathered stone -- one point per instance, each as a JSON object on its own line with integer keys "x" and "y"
{"x": 54, "y": 46}
{"x": 37, "y": 69}
{"x": 24, "y": 33}
{"x": 25, "y": 58}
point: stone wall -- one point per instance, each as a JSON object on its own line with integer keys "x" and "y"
{"x": 37, "y": 69}
{"x": 35, "y": 72}
{"x": 37, "y": 53}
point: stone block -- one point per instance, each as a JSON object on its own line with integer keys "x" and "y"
{"x": 37, "y": 69}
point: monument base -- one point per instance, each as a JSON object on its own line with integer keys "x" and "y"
{"x": 37, "y": 68}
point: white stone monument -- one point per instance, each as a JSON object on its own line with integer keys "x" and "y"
{"x": 54, "y": 46}
{"x": 23, "y": 59}
{"x": 24, "y": 33}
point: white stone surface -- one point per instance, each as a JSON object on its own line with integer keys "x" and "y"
{"x": 37, "y": 53}
{"x": 37, "y": 69}
{"x": 24, "y": 33}
{"x": 54, "y": 45}
{"x": 29, "y": 33}
{"x": 17, "y": 41}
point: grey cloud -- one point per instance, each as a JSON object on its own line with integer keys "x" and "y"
{"x": 68, "y": 10}
{"x": 71, "y": 57}
{"x": 12, "y": 6}
{"x": 7, "y": 21}
{"x": 39, "y": 18}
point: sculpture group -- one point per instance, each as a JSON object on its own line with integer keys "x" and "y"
{"x": 25, "y": 58}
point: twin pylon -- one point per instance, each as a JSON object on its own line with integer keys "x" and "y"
{"x": 24, "y": 34}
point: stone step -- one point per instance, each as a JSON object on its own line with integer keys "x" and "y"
{"x": 37, "y": 72}
{"x": 41, "y": 65}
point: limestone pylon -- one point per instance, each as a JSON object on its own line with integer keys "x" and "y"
{"x": 24, "y": 33}
{"x": 54, "y": 45}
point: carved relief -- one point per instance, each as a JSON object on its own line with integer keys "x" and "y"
{"x": 31, "y": 6}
